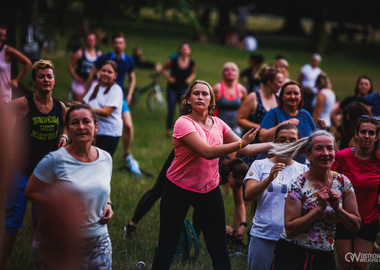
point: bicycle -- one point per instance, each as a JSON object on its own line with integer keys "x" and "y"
{"x": 156, "y": 97}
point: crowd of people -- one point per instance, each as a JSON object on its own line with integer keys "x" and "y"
{"x": 268, "y": 139}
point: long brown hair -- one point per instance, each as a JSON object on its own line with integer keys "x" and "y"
{"x": 186, "y": 108}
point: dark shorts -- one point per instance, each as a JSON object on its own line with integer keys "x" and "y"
{"x": 367, "y": 232}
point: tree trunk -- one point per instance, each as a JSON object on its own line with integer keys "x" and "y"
{"x": 319, "y": 35}
{"x": 292, "y": 19}
{"x": 224, "y": 23}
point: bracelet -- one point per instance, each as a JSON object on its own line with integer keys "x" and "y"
{"x": 243, "y": 224}
{"x": 110, "y": 204}
{"x": 240, "y": 145}
{"x": 64, "y": 136}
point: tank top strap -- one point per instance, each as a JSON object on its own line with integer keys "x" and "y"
{"x": 221, "y": 91}
{"x": 32, "y": 106}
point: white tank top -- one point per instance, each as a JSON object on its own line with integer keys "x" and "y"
{"x": 5, "y": 78}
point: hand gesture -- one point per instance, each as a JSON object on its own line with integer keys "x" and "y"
{"x": 293, "y": 121}
{"x": 323, "y": 197}
{"x": 275, "y": 169}
{"x": 321, "y": 123}
{"x": 107, "y": 215}
{"x": 239, "y": 232}
{"x": 172, "y": 80}
{"x": 249, "y": 137}
{"x": 334, "y": 199}
{"x": 230, "y": 230}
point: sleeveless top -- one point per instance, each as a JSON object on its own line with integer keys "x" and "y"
{"x": 84, "y": 65}
{"x": 260, "y": 111}
{"x": 42, "y": 133}
{"x": 227, "y": 107}
{"x": 5, "y": 77}
{"x": 180, "y": 75}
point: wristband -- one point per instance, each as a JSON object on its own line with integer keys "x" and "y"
{"x": 110, "y": 204}
{"x": 240, "y": 145}
{"x": 243, "y": 224}
{"x": 64, "y": 136}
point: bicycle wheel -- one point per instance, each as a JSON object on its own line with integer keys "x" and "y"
{"x": 156, "y": 101}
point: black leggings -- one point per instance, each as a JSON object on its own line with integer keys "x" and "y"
{"x": 107, "y": 143}
{"x": 175, "y": 203}
{"x": 151, "y": 196}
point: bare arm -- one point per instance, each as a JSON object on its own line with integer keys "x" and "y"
{"x": 349, "y": 214}
{"x": 216, "y": 89}
{"x": 239, "y": 212}
{"x": 107, "y": 213}
{"x": 294, "y": 222}
{"x": 195, "y": 142}
{"x": 105, "y": 111}
{"x": 62, "y": 140}
{"x": 242, "y": 92}
{"x": 254, "y": 188}
{"x": 319, "y": 106}
{"x": 35, "y": 192}
{"x": 131, "y": 86}
{"x": 70, "y": 67}
{"x": 91, "y": 78}
{"x": 191, "y": 76}
{"x": 247, "y": 108}
{"x": 21, "y": 58}
{"x": 164, "y": 71}
{"x": 267, "y": 135}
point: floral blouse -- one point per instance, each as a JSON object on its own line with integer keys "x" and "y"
{"x": 321, "y": 234}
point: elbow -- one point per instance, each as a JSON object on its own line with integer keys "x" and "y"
{"x": 290, "y": 231}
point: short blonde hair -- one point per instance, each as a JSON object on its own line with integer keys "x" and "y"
{"x": 42, "y": 64}
{"x": 231, "y": 64}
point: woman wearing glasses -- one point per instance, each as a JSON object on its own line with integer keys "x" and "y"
{"x": 266, "y": 181}
{"x": 361, "y": 165}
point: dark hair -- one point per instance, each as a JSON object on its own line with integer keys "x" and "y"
{"x": 186, "y": 108}
{"x": 235, "y": 166}
{"x": 284, "y": 127}
{"x": 350, "y": 116}
{"x": 268, "y": 74}
{"x": 118, "y": 35}
{"x": 89, "y": 33}
{"x": 96, "y": 89}
{"x": 358, "y": 81}
{"x": 112, "y": 63}
{"x": 281, "y": 103}
{"x": 257, "y": 58}
{"x": 77, "y": 107}
{"x": 181, "y": 44}
{"x": 279, "y": 56}
{"x": 375, "y": 122}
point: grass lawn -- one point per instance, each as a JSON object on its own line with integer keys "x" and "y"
{"x": 151, "y": 146}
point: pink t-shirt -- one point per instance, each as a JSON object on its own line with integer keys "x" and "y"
{"x": 189, "y": 170}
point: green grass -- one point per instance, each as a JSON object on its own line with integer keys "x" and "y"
{"x": 151, "y": 146}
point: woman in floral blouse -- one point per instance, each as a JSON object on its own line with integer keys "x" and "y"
{"x": 314, "y": 202}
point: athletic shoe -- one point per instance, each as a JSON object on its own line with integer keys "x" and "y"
{"x": 133, "y": 165}
{"x": 129, "y": 230}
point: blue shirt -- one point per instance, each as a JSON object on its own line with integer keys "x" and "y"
{"x": 124, "y": 65}
{"x": 305, "y": 126}
{"x": 375, "y": 99}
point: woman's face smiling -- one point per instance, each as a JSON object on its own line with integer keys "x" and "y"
{"x": 364, "y": 86}
{"x": 200, "y": 97}
{"x": 107, "y": 74}
{"x": 366, "y": 136}
{"x": 292, "y": 96}
{"x": 322, "y": 153}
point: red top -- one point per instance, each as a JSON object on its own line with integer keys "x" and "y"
{"x": 365, "y": 177}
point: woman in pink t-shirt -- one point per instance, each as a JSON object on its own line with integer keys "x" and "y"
{"x": 199, "y": 140}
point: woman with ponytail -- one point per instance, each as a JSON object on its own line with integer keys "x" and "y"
{"x": 106, "y": 100}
